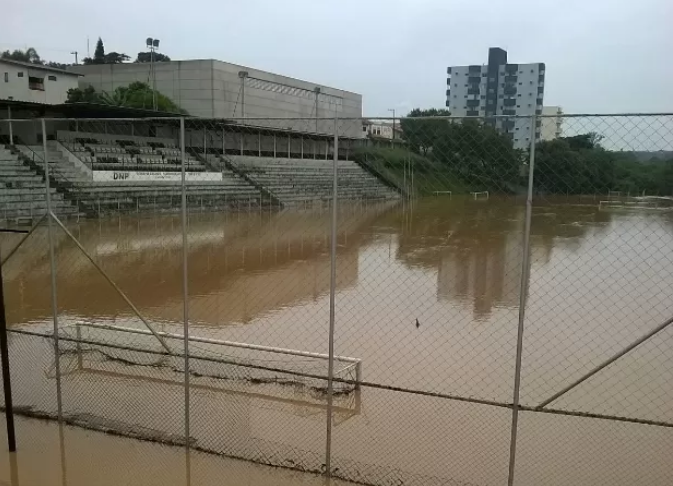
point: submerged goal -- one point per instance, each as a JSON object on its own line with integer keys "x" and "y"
{"x": 214, "y": 359}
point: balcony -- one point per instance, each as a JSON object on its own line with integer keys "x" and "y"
{"x": 510, "y": 79}
{"x": 511, "y": 68}
{"x": 448, "y": 71}
{"x": 509, "y": 102}
{"x": 509, "y": 90}
{"x": 472, "y": 113}
{"x": 472, "y": 103}
{"x": 474, "y": 79}
{"x": 474, "y": 69}
{"x": 473, "y": 91}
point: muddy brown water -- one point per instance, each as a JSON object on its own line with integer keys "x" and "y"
{"x": 599, "y": 279}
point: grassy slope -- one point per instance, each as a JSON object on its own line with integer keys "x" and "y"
{"x": 428, "y": 176}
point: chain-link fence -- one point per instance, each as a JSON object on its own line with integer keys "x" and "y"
{"x": 423, "y": 300}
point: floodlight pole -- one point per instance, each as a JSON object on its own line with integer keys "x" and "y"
{"x": 153, "y": 44}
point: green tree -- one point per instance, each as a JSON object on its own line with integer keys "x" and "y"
{"x": 576, "y": 165}
{"x": 29, "y": 55}
{"x": 86, "y": 95}
{"x": 135, "y": 95}
{"x": 147, "y": 57}
{"x": 420, "y": 128}
{"x": 479, "y": 154}
{"x": 115, "y": 58}
{"x": 99, "y": 53}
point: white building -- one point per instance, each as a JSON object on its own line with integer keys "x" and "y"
{"x": 382, "y": 129}
{"x": 216, "y": 89}
{"x": 32, "y": 83}
{"x": 552, "y": 123}
{"x": 498, "y": 89}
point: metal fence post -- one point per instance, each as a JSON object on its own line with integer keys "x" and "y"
{"x": 11, "y": 128}
{"x": 52, "y": 260}
{"x": 523, "y": 293}
{"x": 332, "y": 293}
{"x": 185, "y": 295}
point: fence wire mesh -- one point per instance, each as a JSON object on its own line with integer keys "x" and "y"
{"x": 456, "y": 239}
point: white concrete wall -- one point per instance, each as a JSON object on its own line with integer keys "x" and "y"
{"x": 17, "y": 88}
{"x": 213, "y": 89}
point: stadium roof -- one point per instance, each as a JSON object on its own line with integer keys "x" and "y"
{"x": 86, "y": 110}
{"x": 101, "y": 111}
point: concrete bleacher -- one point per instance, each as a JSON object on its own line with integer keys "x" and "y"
{"x": 72, "y": 170}
{"x": 126, "y": 152}
{"x": 23, "y": 195}
{"x": 79, "y": 161}
{"x": 294, "y": 181}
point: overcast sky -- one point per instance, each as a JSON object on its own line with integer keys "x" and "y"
{"x": 601, "y": 55}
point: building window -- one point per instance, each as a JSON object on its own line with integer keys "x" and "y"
{"x": 531, "y": 82}
{"x": 20, "y": 75}
{"x": 520, "y": 84}
{"x": 483, "y": 97}
{"x": 518, "y": 106}
{"x": 35, "y": 83}
{"x": 51, "y": 78}
{"x": 529, "y": 105}
{"x": 364, "y": 129}
{"x": 519, "y": 95}
{"x": 6, "y": 77}
{"x": 532, "y": 71}
{"x": 516, "y": 128}
{"x": 465, "y": 96}
{"x": 455, "y": 85}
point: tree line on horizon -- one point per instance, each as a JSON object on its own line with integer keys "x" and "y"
{"x": 31, "y": 55}
{"x": 484, "y": 159}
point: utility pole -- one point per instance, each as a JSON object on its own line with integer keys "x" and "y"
{"x": 75, "y": 53}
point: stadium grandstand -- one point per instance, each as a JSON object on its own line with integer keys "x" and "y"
{"x": 108, "y": 159}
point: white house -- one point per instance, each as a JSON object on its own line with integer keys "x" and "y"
{"x": 24, "y": 81}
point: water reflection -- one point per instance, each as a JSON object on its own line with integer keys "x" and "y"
{"x": 240, "y": 267}
{"x": 476, "y": 248}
